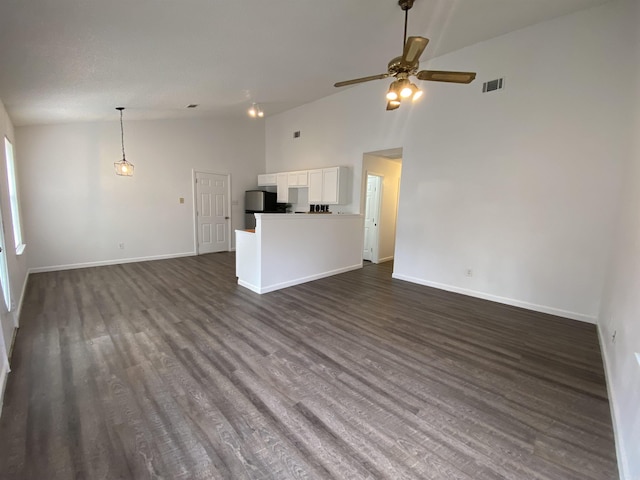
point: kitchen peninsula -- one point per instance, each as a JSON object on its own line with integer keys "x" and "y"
{"x": 289, "y": 249}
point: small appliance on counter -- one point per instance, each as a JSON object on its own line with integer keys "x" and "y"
{"x": 260, "y": 201}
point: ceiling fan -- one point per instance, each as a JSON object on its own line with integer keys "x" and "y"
{"x": 407, "y": 65}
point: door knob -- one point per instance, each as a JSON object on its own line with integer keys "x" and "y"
{"x": 226, "y": 218}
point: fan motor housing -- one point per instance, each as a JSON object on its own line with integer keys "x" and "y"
{"x": 396, "y": 66}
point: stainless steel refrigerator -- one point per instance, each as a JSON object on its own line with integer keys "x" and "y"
{"x": 258, "y": 201}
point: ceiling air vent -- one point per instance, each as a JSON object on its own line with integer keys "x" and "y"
{"x": 491, "y": 85}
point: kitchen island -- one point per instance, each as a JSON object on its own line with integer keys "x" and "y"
{"x": 289, "y": 249}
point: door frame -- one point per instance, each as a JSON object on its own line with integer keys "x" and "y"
{"x": 375, "y": 254}
{"x": 194, "y": 188}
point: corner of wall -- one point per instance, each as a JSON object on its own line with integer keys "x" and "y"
{"x": 621, "y": 453}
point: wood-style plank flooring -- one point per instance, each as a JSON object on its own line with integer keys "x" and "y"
{"x": 169, "y": 370}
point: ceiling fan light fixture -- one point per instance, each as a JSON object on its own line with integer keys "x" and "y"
{"x": 123, "y": 168}
{"x": 392, "y": 94}
{"x": 393, "y": 104}
{"x": 407, "y": 65}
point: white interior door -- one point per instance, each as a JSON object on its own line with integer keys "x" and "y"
{"x": 371, "y": 220}
{"x": 212, "y": 212}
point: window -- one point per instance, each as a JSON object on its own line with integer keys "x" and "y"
{"x": 13, "y": 197}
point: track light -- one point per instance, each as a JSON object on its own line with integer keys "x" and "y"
{"x": 255, "y": 111}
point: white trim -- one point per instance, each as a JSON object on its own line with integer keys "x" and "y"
{"x": 385, "y": 259}
{"x": 56, "y": 268}
{"x": 4, "y": 373}
{"x": 20, "y": 249}
{"x": 298, "y": 281}
{"x": 16, "y": 318}
{"x": 621, "y": 454}
{"x": 495, "y": 298}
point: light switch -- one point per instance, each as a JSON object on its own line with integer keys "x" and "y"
{"x": 181, "y": 199}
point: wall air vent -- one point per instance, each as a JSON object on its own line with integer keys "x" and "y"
{"x": 492, "y": 85}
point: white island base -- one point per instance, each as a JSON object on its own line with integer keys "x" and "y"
{"x": 289, "y": 249}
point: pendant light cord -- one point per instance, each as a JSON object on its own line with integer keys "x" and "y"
{"x": 122, "y": 134}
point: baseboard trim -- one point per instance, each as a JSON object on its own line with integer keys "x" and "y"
{"x": 248, "y": 285}
{"x": 298, "y": 281}
{"x": 385, "y": 259}
{"x": 621, "y": 455}
{"x": 495, "y": 298}
{"x": 73, "y": 266}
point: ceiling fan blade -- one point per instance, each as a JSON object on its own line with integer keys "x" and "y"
{"x": 392, "y": 105}
{"x": 361, "y": 80}
{"x": 444, "y": 76}
{"x": 413, "y": 49}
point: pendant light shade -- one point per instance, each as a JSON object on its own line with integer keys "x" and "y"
{"x": 123, "y": 168}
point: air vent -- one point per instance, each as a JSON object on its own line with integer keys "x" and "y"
{"x": 492, "y": 85}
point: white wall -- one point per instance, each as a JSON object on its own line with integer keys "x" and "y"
{"x": 391, "y": 171}
{"x": 77, "y": 210}
{"x": 17, "y": 264}
{"x": 621, "y": 303}
{"x": 518, "y": 185}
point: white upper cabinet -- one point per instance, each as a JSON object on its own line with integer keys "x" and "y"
{"x": 328, "y": 186}
{"x": 298, "y": 179}
{"x": 284, "y": 193}
{"x": 267, "y": 180}
{"x": 315, "y": 186}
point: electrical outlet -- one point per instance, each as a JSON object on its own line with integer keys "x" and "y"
{"x": 468, "y": 272}
{"x": 181, "y": 200}
{"x": 121, "y": 245}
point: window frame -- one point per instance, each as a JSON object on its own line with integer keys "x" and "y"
{"x": 14, "y": 199}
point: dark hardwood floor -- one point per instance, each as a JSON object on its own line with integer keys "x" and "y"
{"x": 169, "y": 370}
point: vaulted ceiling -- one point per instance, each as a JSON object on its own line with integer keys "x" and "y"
{"x": 75, "y": 60}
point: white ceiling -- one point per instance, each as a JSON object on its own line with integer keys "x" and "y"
{"x": 75, "y": 60}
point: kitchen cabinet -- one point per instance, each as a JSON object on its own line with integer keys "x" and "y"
{"x": 328, "y": 186}
{"x": 267, "y": 180}
{"x": 285, "y": 194}
{"x": 298, "y": 179}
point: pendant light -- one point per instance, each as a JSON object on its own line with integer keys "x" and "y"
{"x": 123, "y": 168}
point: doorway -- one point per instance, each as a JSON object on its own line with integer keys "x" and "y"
{"x": 373, "y": 196}
{"x": 212, "y": 212}
{"x": 381, "y": 171}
